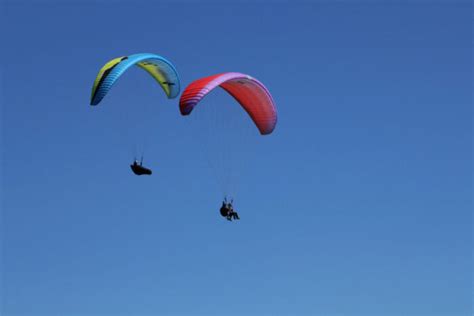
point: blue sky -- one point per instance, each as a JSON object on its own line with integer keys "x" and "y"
{"x": 360, "y": 202}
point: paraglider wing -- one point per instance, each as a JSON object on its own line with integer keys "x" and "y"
{"x": 249, "y": 92}
{"x": 158, "y": 67}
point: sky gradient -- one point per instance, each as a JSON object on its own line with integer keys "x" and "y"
{"x": 359, "y": 203}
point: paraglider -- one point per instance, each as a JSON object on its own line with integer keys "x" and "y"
{"x": 227, "y": 210}
{"x": 139, "y": 169}
{"x": 157, "y": 66}
{"x": 250, "y": 93}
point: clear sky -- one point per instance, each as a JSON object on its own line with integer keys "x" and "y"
{"x": 360, "y": 202}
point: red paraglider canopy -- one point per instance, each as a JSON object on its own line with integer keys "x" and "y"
{"x": 249, "y": 92}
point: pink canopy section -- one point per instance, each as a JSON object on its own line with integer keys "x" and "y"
{"x": 252, "y": 95}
